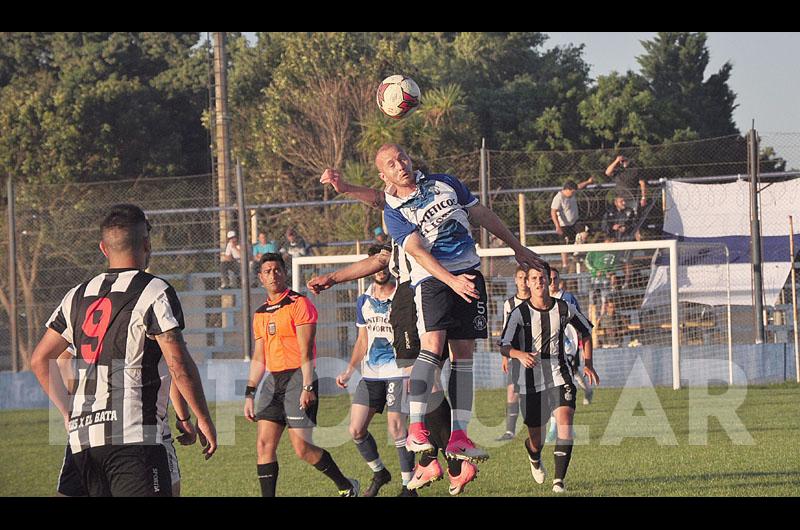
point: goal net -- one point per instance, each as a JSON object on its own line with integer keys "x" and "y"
{"x": 651, "y": 319}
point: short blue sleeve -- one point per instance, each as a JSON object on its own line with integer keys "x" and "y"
{"x": 569, "y": 297}
{"x": 360, "y": 320}
{"x": 465, "y": 197}
{"x": 398, "y": 226}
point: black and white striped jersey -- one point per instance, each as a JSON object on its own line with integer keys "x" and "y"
{"x": 509, "y": 305}
{"x": 123, "y": 379}
{"x": 534, "y": 330}
{"x": 399, "y": 264}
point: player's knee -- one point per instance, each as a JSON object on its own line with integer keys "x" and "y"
{"x": 357, "y": 432}
{"x": 397, "y": 428}
{"x": 266, "y": 448}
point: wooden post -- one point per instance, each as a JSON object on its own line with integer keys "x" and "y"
{"x": 522, "y": 224}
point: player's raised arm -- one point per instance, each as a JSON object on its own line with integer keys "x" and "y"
{"x": 369, "y": 196}
{"x": 354, "y": 271}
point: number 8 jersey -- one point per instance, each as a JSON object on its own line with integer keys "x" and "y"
{"x": 123, "y": 379}
{"x": 379, "y": 362}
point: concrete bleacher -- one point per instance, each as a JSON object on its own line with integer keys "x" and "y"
{"x": 212, "y": 315}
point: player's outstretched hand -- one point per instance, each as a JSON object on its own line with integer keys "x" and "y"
{"x": 188, "y": 432}
{"x": 334, "y": 178}
{"x": 208, "y": 437}
{"x": 528, "y": 359}
{"x": 464, "y": 287}
{"x": 529, "y": 259}
{"x": 317, "y": 284}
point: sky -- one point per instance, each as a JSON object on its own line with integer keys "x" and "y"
{"x": 765, "y": 75}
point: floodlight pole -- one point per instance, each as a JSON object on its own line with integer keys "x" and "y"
{"x": 755, "y": 239}
{"x": 484, "y": 191}
{"x": 244, "y": 265}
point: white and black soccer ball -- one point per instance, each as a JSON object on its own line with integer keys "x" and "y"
{"x": 398, "y": 96}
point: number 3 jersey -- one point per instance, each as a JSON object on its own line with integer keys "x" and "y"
{"x": 123, "y": 379}
{"x": 379, "y": 362}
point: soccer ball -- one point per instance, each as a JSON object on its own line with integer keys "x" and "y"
{"x": 398, "y": 96}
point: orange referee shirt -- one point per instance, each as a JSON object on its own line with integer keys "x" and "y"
{"x": 276, "y": 322}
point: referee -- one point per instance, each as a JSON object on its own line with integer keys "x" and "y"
{"x": 284, "y": 328}
{"x": 126, "y": 327}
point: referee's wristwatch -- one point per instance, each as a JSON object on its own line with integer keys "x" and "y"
{"x": 308, "y": 388}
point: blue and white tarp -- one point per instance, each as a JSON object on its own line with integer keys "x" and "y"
{"x": 707, "y": 215}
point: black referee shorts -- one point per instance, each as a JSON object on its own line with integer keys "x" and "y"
{"x": 279, "y": 401}
{"x": 125, "y": 471}
{"x": 403, "y": 319}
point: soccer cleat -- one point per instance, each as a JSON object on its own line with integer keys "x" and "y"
{"x": 468, "y": 473}
{"x": 463, "y": 448}
{"x": 537, "y": 471}
{"x": 353, "y": 491}
{"x": 558, "y": 486}
{"x": 425, "y": 475}
{"x": 379, "y": 479}
{"x": 405, "y": 492}
{"x": 417, "y": 440}
{"x": 508, "y": 435}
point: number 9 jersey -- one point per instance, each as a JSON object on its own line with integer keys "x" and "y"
{"x": 123, "y": 379}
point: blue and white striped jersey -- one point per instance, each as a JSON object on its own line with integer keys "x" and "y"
{"x": 437, "y": 209}
{"x": 373, "y": 314}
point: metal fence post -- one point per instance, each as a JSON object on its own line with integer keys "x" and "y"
{"x": 12, "y": 275}
{"x": 755, "y": 238}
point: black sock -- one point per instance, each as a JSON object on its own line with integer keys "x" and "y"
{"x": 268, "y": 478}
{"x": 454, "y": 466}
{"x": 562, "y": 454}
{"x": 437, "y": 420}
{"x": 328, "y": 467}
{"x": 426, "y": 459}
{"x": 534, "y": 455}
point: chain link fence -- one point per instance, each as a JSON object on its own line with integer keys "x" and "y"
{"x": 57, "y": 224}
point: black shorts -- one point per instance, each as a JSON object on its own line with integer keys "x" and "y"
{"x": 125, "y": 471}
{"x": 377, "y": 394}
{"x": 279, "y": 401}
{"x": 440, "y": 308}
{"x": 569, "y": 234}
{"x": 403, "y": 319}
{"x": 536, "y": 407}
{"x": 513, "y": 373}
{"x": 69, "y": 480}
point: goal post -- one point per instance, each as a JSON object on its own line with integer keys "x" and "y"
{"x": 642, "y": 319}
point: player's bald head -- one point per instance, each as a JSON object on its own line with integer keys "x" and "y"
{"x": 124, "y": 229}
{"x": 383, "y": 150}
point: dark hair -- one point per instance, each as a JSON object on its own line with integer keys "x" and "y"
{"x": 272, "y": 256}
{"x": 374, "y": 249}
{"x": 129, "y": 223}
{"x": 570, "y": 185}
{"x": 520, "y": 268}
{"x": 553, "y": 269}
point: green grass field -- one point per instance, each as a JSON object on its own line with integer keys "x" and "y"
{"x": 624, "y": 448}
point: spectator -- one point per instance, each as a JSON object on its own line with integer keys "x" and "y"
{"x": 612, "y": 326}
{"x": 602, "y": 265}
{"x": 628, "y": 182}
{"x": 231, "y": 261}
{"x": 381, "y": 237}
{"x": 619, "y": 221}
{"x": 565, "y": 215}
{"x": 261, "y": 247}
{"x": 294, "y": 246}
